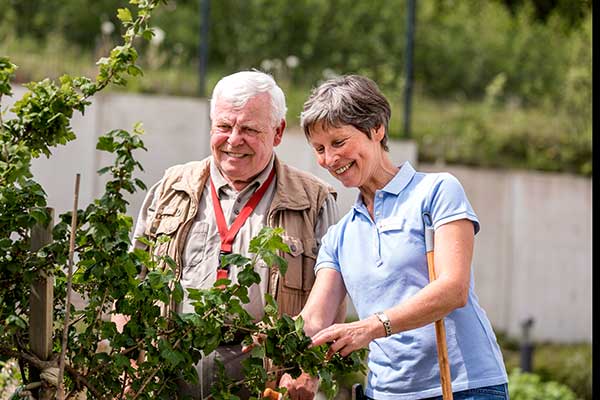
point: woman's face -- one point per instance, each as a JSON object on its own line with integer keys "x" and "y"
{"x": 347, "y": 153}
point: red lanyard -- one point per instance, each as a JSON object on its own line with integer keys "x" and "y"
{"x": 228, "y": 234}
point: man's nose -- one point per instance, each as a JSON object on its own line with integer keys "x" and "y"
{"x": 235, "y": 137}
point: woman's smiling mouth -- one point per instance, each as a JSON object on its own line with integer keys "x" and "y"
{"x": 343, "y": 169}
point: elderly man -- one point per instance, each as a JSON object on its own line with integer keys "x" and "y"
{"x": 197, "y": 203}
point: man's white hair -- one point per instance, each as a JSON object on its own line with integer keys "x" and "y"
{"x": 238, "y": 88}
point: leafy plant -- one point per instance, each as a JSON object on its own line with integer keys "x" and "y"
{"x": 568, "y": 364}
{"x": 528, "y": 386}
{"x": 113, "y": 279}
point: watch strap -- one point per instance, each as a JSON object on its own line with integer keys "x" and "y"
{"x": 387, "y": 325}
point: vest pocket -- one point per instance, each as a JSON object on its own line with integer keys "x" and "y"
{"x": 195, "y": 246}
{"x": 166, "y": 222}
{"x": 300, "y": 274}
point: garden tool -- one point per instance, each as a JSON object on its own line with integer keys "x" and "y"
{"x": 440, "y": 329}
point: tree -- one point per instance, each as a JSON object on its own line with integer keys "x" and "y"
{"x": 97, "y": 358}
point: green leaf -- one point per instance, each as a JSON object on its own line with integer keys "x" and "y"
{"x": 258, "y": 352}
{"x": 124, "y": 15}
{"x": 106, "y": 143}
{"x": 134, "y": 70}
{"x": 234, "y": 259}
{"x": 16, "y": 320}
{"x": 178, "y": 292}
{"x": 299, "y": 325}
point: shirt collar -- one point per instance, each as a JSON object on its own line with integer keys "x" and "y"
{"x": 395, "y": 186}
{"x": 400, "y": 180}
{"x": 221, "y": 184}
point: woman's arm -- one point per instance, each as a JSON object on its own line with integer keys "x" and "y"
{"x": 324, "y": 301}
{"x": 453, "y": 251}
{"x": 452, "y": 258}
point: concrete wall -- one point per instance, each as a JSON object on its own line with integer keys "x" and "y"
{"x": 532, "y": 257}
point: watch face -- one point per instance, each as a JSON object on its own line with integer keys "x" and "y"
{"x": 386, "y": 322}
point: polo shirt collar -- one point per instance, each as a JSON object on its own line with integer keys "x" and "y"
{"x": 400, "y": 180}
{"x": 395, "y": 186}
{"x": 222, "y": 185}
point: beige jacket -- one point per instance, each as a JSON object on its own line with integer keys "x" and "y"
{"x": 295, "y": 207}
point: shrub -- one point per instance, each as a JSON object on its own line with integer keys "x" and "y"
{"x": 566, "y": 364}
{"x": 527, "y": 386}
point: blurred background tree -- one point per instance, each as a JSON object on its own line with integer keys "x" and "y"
{"x": 503, "y": 83}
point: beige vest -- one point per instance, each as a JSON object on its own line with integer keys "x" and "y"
{"x": 296, "y": 203}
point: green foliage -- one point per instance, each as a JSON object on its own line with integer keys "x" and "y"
{"x": 569, "y": 364}
{"x": 114, "y": 280}
{"x": 562, "y": 363}
{"x": 527, "y": 386}
{"x": 491, "y": 134}
{"x": 541, "y": 117}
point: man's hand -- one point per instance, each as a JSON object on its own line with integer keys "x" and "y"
{"x": 302, "y": 388}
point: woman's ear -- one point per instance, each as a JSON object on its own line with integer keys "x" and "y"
{"x": 378, "y": 133}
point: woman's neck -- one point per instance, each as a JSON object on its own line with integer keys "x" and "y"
{"x": 378, "y": 180}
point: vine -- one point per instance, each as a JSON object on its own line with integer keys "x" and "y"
{"x": 108, "y": 274}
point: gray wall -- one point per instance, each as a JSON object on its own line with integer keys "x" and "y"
{"x": 532, "y": 256}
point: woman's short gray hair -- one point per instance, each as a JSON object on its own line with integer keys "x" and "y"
{"x": 239, "y": 87}
{"x": 347, "y": 100}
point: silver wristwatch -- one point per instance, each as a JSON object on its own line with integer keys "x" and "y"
{"x": 385, "y": 321}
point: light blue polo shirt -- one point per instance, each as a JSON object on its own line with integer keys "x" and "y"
{"x": 383, "y": 263}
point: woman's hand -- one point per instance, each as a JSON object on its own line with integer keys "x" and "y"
{"x": 348, "y": 337}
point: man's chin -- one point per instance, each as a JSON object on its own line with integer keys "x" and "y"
{"x": 236, "y": 174}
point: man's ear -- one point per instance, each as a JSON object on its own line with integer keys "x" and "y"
{"x": 279, "y": 133}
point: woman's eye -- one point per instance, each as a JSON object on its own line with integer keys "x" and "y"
{"x": 338, "y": 143}
{"x": 319, "y": 150}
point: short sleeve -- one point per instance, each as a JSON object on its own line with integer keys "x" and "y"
{"x": 328, "y": 215}
{"x": 327, "y": 257}
{"x": 449, "y": 202}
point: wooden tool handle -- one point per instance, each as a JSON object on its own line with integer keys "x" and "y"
{"x": 440, "y": 337}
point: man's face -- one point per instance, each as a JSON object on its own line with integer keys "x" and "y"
{"x": 242, "y": 140}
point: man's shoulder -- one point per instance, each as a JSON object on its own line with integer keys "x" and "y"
{"x": 190, "y": 166}
{"x": 303, "y": 177}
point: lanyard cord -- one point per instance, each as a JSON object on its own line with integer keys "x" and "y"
{"x": 228, "y": 234}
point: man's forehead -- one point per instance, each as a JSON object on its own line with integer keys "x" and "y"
{"x": 257, "y": 108}
{"x": 237, "y": 103}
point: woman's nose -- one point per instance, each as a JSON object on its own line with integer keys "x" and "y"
{"x": 331, "y": 157}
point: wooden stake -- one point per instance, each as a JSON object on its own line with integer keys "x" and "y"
{"x": 41, "y": 301}
{"x": 61, "y": 360}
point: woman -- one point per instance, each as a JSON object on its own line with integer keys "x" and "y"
{"x": 376, "y": 254}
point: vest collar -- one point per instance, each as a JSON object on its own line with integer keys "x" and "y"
{"x": 192, "y": 180}
{"x": 290, "y": 193}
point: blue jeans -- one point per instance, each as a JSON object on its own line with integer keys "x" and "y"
{"x": 495, "y": 392}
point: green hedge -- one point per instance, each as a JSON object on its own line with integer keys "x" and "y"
{"x": 477, "y": 134}
{"x": 527, "y": 386}
{"x": 493, "y": 87}
{"x": 565, "y": 364}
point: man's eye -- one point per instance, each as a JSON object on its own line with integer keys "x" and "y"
{"x": 338, "y": 143}
{"x": 319, "y": 150}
